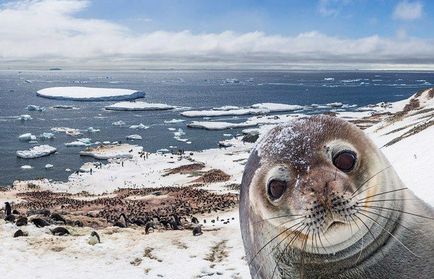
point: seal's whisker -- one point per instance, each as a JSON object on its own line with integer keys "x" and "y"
{"x": 303, "y": 250}
{"x": 369, "y": 230}
{"x": 369, "y": 179}
{"x": 268, "y": 242}
{"x": 320, "y": 241}
{"x": 398, "y": 210}
{"x": 366, "y": 202}
{"x": 286, "y": 247}
{"x": 281, "y": 216}
{"x": 383, "y": 193}
{"x": 385, "y": 217}
{"x": 391, "y": 234}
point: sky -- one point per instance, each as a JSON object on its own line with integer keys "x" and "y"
{"x": 133, "y": 34}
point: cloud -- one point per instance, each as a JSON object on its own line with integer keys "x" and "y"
{"x": 406, "y": 10}
{"x": 50, "y": 33}
{"x": 331, "y": 7}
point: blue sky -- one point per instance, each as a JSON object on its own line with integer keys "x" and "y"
{"x": 351, "y": 19}
{"x": 330, "y": 33}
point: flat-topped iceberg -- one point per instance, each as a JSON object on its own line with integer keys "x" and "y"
{"x": 36, "y": 152}
{"x": 261, "y": 108}
{"x": 210, "y": 125}
{"x": 276, "y": 107}
{"x": 79, "y": 93}
{"x": 137, "y": 106}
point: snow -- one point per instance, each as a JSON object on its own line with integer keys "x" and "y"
{"x": 134, "y": 137}
{"x": 137, "y": 106}
{"x": 105, "y": 152}
{"x": 36, "y": 152}
{"x": 78, "y": 93}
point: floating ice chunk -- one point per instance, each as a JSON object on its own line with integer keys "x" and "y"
{"x": 36, "y": 152}
{"x": 79, "y": 142}
{"x": 226, "y": 108}
{"x": 35, "y": 108}
{"x": 205, "y": 113}
{"x": 163, "y": 150}
{"x": 171, "y": 129}
{"x": 46, "y": 136}
{"x": 134, "y": 137}
{"x": 64, "y": 107}
{"x": 66, "y": 130}
{"x": 232, "y": 80}
{"x": 140, "y": 126}
{"x": 27, "y": 137}
{"x": 209, "y": 125}
{"x": 25, "y": 117}
{"x": 335, "y": 104}
{"x": 173, "y": 121}
{"x": 329, "y": 79}
{"x": 92, "y": 130}
{"x": 49, "y": 166}
{"x": 118, "y": 123}
{"x": 26, "y": 167}
{"x": 68, "y": 170}
{"x": 137, "y": 106}
{"x": 79, "y": 93}
{"x": 227, "y": 135}
{"x": 276, "y": 107}
{"x": 223, "y": 143}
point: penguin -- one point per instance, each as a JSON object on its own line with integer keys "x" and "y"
{"x": 57, "y": 217}
{"x": 8, "y": 208}
{"x": 40, "y": 223}
{"x": 94, "y": 238}
{"x": 197, "y": 230}
{"x": 19, "y": 233}
{"x": 60, "y": 231}
{"x": 21, "y": 221}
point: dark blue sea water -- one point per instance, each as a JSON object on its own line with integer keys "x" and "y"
{"x": 196, "y": 89}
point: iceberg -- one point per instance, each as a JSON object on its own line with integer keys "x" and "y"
{"x": 79, "y": 143}
{"x": 173, "y": 121}
{"x": 140, "y": 126}
{"x": 137, "y": 106}
{"x": 36, "y": 152}
{"x": 79, "y": 93}
{"x": 27, "y": 137}
{"x": 134, "y": 137}
{"x": 276, "y": 107}
{"x": 105, "y": 152}
{"x": 49, "y": 166}
{"x": 46, "y": 136}
{"x": 26, "y": 167}
{"x": 118, "y": 123}
{"x": 24, "y": 117}
{"x": 209, "y": 125}
{"x": 92, "y": 130}
{"x": 35, "y": 108}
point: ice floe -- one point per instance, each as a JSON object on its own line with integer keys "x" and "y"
{"x": 79, "y": 143}
{"x": 92, "y": 130}
{"x": 49, "y": 166}
{"x": 140, "y": 126}
{"x": 118, "y": 123}
{"x": 134, "y": 137}
{"x": 46, "y": 136}
{"x": 79, "y": 93}
{"x": 35, "y": 108}
{"x": 173, "y": 121}
{"x": 210, "y": 125}
{"x": 64, "y": 107}
{"x": 27, "y": 137}
{"x": 261, "y": 108}
{"x": 25, "y": 117}
{"x": 26, "y": 167}
{"x": 36, "y": 152}
{"x": 276, "y": 107}
{"x": 137, "y": 106}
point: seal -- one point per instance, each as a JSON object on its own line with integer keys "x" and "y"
{"x": 319, "y": 200}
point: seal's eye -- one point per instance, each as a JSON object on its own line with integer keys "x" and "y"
{"x": 276, "y": 188}
{"x": 345, "y": 160}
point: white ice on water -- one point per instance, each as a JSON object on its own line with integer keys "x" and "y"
{"x": 79, "y": 93}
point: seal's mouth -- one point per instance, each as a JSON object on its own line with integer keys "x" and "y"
{"x": 334, "y": 225}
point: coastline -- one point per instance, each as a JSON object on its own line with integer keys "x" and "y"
{"x": 402, "y": 130}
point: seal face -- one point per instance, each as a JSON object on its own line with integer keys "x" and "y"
{"x": 318, "y": 199}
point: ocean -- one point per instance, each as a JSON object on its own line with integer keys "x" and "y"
{"x": 201, "y": 89}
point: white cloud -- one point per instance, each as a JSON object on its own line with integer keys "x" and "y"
{"x": 331, "y": 7}
{"x": 406, "y": 10}
{"x": 49, "y": 32}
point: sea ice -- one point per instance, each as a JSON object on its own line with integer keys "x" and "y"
{"x": 118, "y": 123}
{"x": 27, "y": 137}
{"x": 79, "y": 143}
{"x": 79, "y": 93}
{"x": 210, "y": 125}
{"x": 35, "y": 108}
{"x": 137, "y": 106}
{"x": 134, "y": 137}
{"x": 139, "y": 126}
{"x": 173, "y": 121}
{"x": 26, "y": 167}
{"x": 36, "y": 152}
{"x": 25, "y": 117}
{"x": 49, "y": 166}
